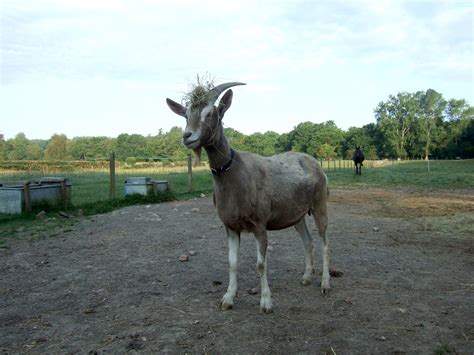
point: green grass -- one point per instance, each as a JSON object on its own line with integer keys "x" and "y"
{"x": 443, "y": 175}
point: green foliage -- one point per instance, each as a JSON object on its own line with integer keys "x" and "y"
{"x": 20, "y": 148}
{"x": 91, "y": 147}
{"x": 57, "y": 148}
{"x": 131, "y": 160}
{"x": 263, "y": 144}
{"x": 407, "y": 125}
{"x": 309, "y": 137}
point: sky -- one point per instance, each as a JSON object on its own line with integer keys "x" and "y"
{"x": 102, "y": 68}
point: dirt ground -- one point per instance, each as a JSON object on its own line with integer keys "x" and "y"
{"x": 114, "y": 283}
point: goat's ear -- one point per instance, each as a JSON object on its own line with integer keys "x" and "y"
{"x": 176, "y": 108}
{"x": 225, "y": 103}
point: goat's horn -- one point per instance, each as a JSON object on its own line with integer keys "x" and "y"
{"x": 219, "y": 89}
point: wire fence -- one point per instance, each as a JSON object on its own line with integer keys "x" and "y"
{"x": 95, "y": 180}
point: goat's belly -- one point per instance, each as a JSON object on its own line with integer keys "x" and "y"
{"x": 287, "y": 221}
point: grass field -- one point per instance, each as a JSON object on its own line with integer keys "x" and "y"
{"x": 442, "y": 175}
{"x": 89, "y": 187}
{"x": 90, "y": 190}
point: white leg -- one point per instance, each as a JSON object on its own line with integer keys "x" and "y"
{"x": 321, "y": 219}
{"x": 234, "y": 242}
{"x": 266, "y": 305}
{"x": 303, "y": 231}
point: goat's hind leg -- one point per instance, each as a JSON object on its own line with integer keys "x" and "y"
{"x": 303, "y": 231}
{"x": 227, "y": 301}
{"x": 321, "y": 218}
{"x": 266, "y": 305}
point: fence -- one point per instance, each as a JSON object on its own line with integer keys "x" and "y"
{"x": 104, "y": 179}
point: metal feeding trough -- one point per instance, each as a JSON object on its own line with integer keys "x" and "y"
{"x": 144, "y": 186}
{"x": 17, "y": 197}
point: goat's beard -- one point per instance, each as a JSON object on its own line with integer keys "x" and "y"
{"x": 197, "y": 153}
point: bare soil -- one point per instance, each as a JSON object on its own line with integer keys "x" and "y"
{"x": 114, "y": 283}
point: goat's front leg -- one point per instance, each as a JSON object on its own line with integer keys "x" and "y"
{"x": 227, "y": 301}
{"x": 266, "y": 305}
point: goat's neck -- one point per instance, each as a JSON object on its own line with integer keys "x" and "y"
{"x": 218, "y": 153}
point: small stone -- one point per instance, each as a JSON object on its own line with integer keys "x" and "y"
{"x": 196, "y": 322}
{"x": 89, "y": 311}
{"x": 195, "y": 209}
{"x": 402, "y": 310}
{"x": 192, "y": 253}
{"x": 381, "y": 338}
{"x": 41, "y": 215}
{"x": 64, "y": 214}
{"x": 136, "y": 344}
{"x": 375, "y": 229}
{"x": 147, "y": 206}
{"x": 183, "y": 258}
{"x": 252, "y": 291}
{"x": 202, "y": 195}
{"x": 175, "y": 210}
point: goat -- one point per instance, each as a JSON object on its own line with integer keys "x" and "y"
{"x": 358, "y": 158}
{"x": 256, "y": 194}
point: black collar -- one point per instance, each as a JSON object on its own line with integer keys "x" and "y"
{"x": 226, "y": 166}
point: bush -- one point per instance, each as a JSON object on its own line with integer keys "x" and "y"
{"x": 131, "y": 160}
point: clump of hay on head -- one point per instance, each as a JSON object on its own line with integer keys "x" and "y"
{"x": 199, "y": 93}
{"x": 197, "y": 97}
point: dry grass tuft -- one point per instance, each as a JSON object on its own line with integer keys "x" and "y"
{"x": 200, "y": 91}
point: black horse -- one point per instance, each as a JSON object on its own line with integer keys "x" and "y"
{"x": 358, "y": 157}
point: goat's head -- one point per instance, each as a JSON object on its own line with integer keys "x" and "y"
{"x": 203, "y": 119}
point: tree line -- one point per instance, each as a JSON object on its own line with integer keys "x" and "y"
{"x": 408, "y": 125}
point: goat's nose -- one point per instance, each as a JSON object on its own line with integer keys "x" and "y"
{"x": 186, "y": 135}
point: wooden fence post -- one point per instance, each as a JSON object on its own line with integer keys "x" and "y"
{"x": 27, "y": 196}
{"x": 112, "y": 175}
{"x": 190, "y": 173}
{"x": 64, "y": 192}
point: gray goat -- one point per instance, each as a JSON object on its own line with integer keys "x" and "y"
{"x": 254, "y": 193}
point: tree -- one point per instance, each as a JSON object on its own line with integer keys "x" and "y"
{"x": 18, "y": 147}
{"x": 362, "y": 137}
{"x": 308, "y": 137}
{"x": 459, "y": 116}
{"x": 57, "y": 148}
{"x": 167, "y": 145}
{"x": 235, "y": 138}
{"x": 431, "y": 107}
{"x": 263, "y": 144}
{"x": 131, "y": 145}
{"x": 395, "y": 119}
{"x": 3, "y": 150}
{"x": 91, "y": 147}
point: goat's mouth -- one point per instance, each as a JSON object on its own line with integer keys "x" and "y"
{"x": 191, "y": 144}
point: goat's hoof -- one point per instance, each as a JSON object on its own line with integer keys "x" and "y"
{"x": 225, "y": 306}
{"x": 306, "y": 282}
{"x": 265, "y": 310}
{"x": 266, "y": 306}
{"x": 325, "y": 290}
